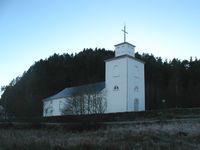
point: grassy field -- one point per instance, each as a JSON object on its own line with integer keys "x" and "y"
{"x": 175, "y": 134}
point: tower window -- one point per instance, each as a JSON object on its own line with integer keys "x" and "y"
{"x": 115, "y": 71}
{"x": 136, "y": 69}
{"x": 116, "y": 88}
{"x": 136, "y": 89}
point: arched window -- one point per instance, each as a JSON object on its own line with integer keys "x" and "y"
{"x": 115, "y": 71}
{"x": 136, "y": 89}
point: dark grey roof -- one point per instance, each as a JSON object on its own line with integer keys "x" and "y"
{"x": 89, "y": 88}
{"x": 124, "y": 43}
{"x": 122, "y": 56}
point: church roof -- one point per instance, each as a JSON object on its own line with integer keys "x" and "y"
{"x": 122, "y": 56}
{"x": 124, "y": 43}
{"x": 67, "y": 92}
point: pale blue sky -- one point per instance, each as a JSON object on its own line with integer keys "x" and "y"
{"x": 31, "y": 30}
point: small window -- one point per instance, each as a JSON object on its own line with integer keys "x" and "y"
{"x": 116, "y": 88}
{"x": 136, "y": 89}
{"x": 115, "y": 71}
{"x": 136, "y": 69}
{"x": 136, "y": 77}
{"x": 46, "y": 111}
{"x": 61, "y": 105}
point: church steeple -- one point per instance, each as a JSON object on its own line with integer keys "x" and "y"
{"x": 124, "y": 48}
{"x": 125, "y": 85}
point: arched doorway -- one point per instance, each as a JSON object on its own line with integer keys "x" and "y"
{"x": 136, "y": 104}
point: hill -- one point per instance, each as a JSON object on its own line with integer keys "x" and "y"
{"x": 168, "y": 84}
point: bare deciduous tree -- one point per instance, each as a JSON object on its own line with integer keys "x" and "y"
{"x": 86, "y": 103}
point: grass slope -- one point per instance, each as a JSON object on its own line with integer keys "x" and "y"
{"x": 181, "y": 135}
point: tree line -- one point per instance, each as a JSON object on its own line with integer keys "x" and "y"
{"x": 168, "y": 84}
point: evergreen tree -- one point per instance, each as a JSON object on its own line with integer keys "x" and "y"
{"x": 168, "y": 84}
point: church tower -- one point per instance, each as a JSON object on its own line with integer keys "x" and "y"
{"x": 125, "y": 86}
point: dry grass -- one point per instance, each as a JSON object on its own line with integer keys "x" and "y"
{"x": 166, "y": 136}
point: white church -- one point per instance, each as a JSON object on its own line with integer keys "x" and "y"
{"x": 124, "y": 85}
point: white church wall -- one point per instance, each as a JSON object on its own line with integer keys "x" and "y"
{"x": 92, "y": 103}
{"x": 136, "y": 90}
{"x": 47, "y": 108}
{"x": 54, "y": 107}
{"x": 116, "y": 79}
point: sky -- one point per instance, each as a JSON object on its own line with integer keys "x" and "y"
{"x": 31, "y": 30}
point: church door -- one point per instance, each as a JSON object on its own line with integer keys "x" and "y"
{"x": 136, "y": 104}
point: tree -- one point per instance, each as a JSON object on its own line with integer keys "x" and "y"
{"x": 178, "y": 82}
{"x": 86, "y": 103}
